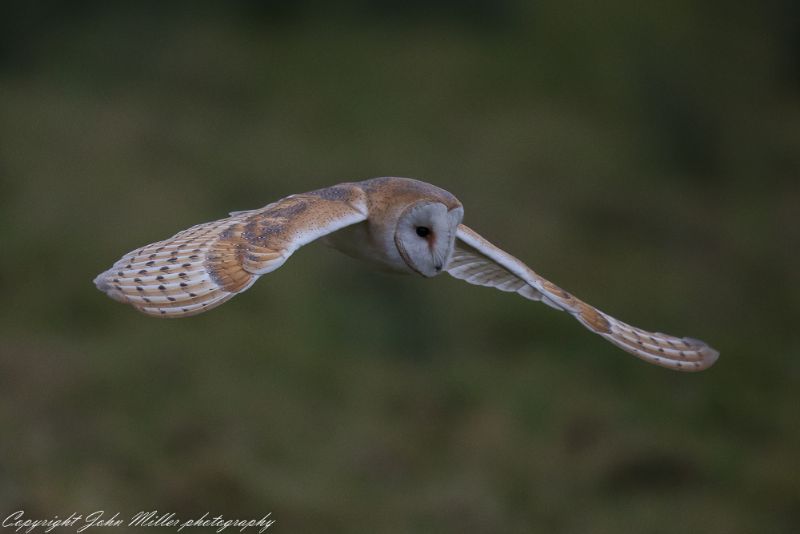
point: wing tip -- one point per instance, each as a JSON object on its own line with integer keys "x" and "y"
{"x": 104, "y": 283}
{"x": 709, "y": 354}
{"x": 101, "y": 282}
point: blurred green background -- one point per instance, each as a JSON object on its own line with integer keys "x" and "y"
{"x": 643, "y": 155}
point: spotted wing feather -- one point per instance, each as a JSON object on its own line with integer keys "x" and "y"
{"x": 477, "y": 261}
{"x": 207, "y": 264}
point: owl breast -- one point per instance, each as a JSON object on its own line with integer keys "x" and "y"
{"x": 370, "y": 243}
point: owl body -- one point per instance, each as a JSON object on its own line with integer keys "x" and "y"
{"x": 373, "y": 241}
{"x": 368, "y": 243}
{"x": 396, "y": 224}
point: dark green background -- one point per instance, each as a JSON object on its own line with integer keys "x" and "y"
{"x": 644, "y": 155}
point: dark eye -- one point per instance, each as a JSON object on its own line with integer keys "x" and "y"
{"x": 423, "y": 231}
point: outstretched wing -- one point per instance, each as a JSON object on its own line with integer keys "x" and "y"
{"x": 476, "y": 261}
{"x": 202, "y": 267}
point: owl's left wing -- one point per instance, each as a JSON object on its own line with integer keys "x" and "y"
{"x": 207, "y": 264}
{"x": 477, "y": 261}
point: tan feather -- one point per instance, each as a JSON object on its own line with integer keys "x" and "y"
{"x": 477, "y": 261}
{"x": 207, "y": 264}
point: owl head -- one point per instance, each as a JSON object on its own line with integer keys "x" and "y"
{"x": 425, "y": 235}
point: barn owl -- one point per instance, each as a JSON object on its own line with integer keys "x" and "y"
{"x": 397, "y": 224}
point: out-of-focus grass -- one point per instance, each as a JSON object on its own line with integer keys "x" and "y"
{"x": 645, "y": 158}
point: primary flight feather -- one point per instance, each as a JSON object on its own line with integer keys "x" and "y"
{"x": 399, "y": 224}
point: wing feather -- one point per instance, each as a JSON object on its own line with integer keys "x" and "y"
{"x": 481, "y": 270}
{"x": 477, "y": 261}
{"x": 207, "y": 264}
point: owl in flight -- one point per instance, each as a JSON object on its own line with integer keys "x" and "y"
{"x": 398, "y": 224}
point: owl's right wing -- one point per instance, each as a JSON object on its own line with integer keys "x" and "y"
{"x": 477, "y": 261}
{"x": 202, "y": 267}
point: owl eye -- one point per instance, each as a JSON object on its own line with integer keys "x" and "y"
{"x": 423, "y": 231}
